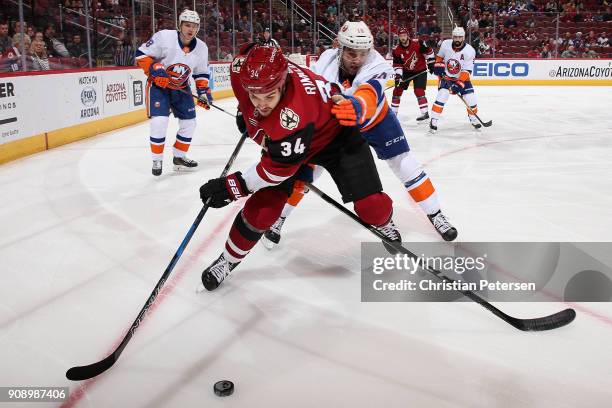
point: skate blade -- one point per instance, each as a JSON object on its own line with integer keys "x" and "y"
{"x": 269, "y": 245}
{"x": 183, "y": 169}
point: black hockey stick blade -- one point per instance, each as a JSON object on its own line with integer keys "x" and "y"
{"x": 89, "y": 371}
{"x": 551, "y": 322}
{"x": 80, "y": 373}
{"x": 486, "y": 124}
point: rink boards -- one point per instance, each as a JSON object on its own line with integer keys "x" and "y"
{"x": 42, "y": 110}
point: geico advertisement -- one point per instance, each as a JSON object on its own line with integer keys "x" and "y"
{"x": 553, "y": 69}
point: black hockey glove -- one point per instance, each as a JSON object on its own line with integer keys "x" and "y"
{"x": 223, "y": 190}
{"x": 398, "y": 79}
{"x": 430, "y": 67}
{"x": 240, "y": 122}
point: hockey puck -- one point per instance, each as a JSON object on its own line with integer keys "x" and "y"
{"x": 224, "y": 388}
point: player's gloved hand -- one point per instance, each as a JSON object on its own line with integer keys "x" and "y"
{"x": 430, "y": 67}
{"x": 159, "y": 75}
{"x": 202, "y": 101}
{"x": 398, "y": 78}
{"x": 457, "y": 87}
{"x": 349, "y": 111}
{"x": 223, "y": 190}
{"x": 438, "y": 69}
{"x": 240, "y": 122}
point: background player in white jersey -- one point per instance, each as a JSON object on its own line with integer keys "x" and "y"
{"x": 362, "y": 74}
{"x": 454, "y": 64}
{"x": 168, "y": 59}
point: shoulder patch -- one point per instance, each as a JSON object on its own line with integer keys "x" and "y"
{"x": 289, "y": 119}
{"x": 237, "y": 64}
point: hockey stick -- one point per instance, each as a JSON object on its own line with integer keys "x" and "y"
{"x": 209, "y": 103}
{"x": 85, "y": 372}
{"x": 485, "y": 124}
{"x": 553, "y": 321}
{"x": 406, "y": 80}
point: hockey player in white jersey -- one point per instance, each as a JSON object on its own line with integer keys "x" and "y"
{"x": 168, "y": 59}
{"x": 453, "y": 66}
{"x": 362, "y": 73}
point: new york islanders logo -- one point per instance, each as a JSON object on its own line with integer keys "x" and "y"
{"x": 453, "y": 66}
{"x": 178, "y": 73}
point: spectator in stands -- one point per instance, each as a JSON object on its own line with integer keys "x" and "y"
{"x": 510, "y": 22}
{"x": 484, "y": 47}
{"x": 551, "y": 7}
{"x": 591, "y": 39}
{"x": 603, "y": 40}
{"x": 38, "y": 36}
{"x": 244, "y": 24}
{"x": 11, "y": 58}
{"x": 77, "y": 48}
{"x": 30, "y": 32}
{"x": 472, "y": 24}
{"x": 533, "y": 53}
{"x": 607, "y": 16}
{"x": 578, "y": 41}
{"x": 5, "y": 41}
{"x": 569, "y": 52}
{"x": 434, "y": 28}
{"x": 18, "y": 30}
{"x": 54, "y": 46}
{"x": 566, "y": 41}
{"x": 589, "y": 53}
{"x": 546, "y": 52}
{"x": 123, "y": 56}
{"x": 424, "y": 29}
{"x": 483, "y": 21}
{"x": 17, "y": 42}
{"x": 38, "y": 56}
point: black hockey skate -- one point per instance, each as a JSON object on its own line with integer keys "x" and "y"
{"x": 433, "y": 127}
{"x": 272, "y": 236}
{"x": 474, "y": 122}
{"x": 157, "y": 168}
{"x": 184, "y": 164}
{"x": 442, "y": 226}
{"x": 390, "y": 231}
{"x": 423, "y": 117}
{"x": 217, "y": 272}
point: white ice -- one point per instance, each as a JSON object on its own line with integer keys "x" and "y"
{"x": 86, "y": 232}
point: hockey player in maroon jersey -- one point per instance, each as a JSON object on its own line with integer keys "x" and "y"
{"x": 288, "y": 111}
{"x": 410, "y": 57}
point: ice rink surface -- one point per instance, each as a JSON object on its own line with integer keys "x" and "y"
{"x": 86, "y": 232}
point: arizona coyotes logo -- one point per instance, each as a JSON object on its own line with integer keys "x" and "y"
{"x": 289, "y": 119}
{"x": 237, "y": 64}
{"x": 178, "y": 73}
{"x": 411, "y": 61}
{"x": 453, "y": 66}
{"x": 344, "y": 28}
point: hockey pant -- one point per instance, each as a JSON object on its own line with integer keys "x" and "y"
{"x": 351, "y": 165}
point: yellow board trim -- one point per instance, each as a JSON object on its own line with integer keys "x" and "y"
{"x": 71, "y": 134}
{"x": 38, "y": 143}
{"x": 22, "y": 147}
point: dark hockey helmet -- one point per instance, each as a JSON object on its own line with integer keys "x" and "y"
{"x": 264, "y": 69}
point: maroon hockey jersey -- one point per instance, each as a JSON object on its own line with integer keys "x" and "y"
{"x": 412, "y": 58}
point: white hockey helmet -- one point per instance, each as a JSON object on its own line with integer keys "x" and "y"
{"x": 458, "y": 32}
{"x": 188, "y": 16}
{"x": 356, "y": 35}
